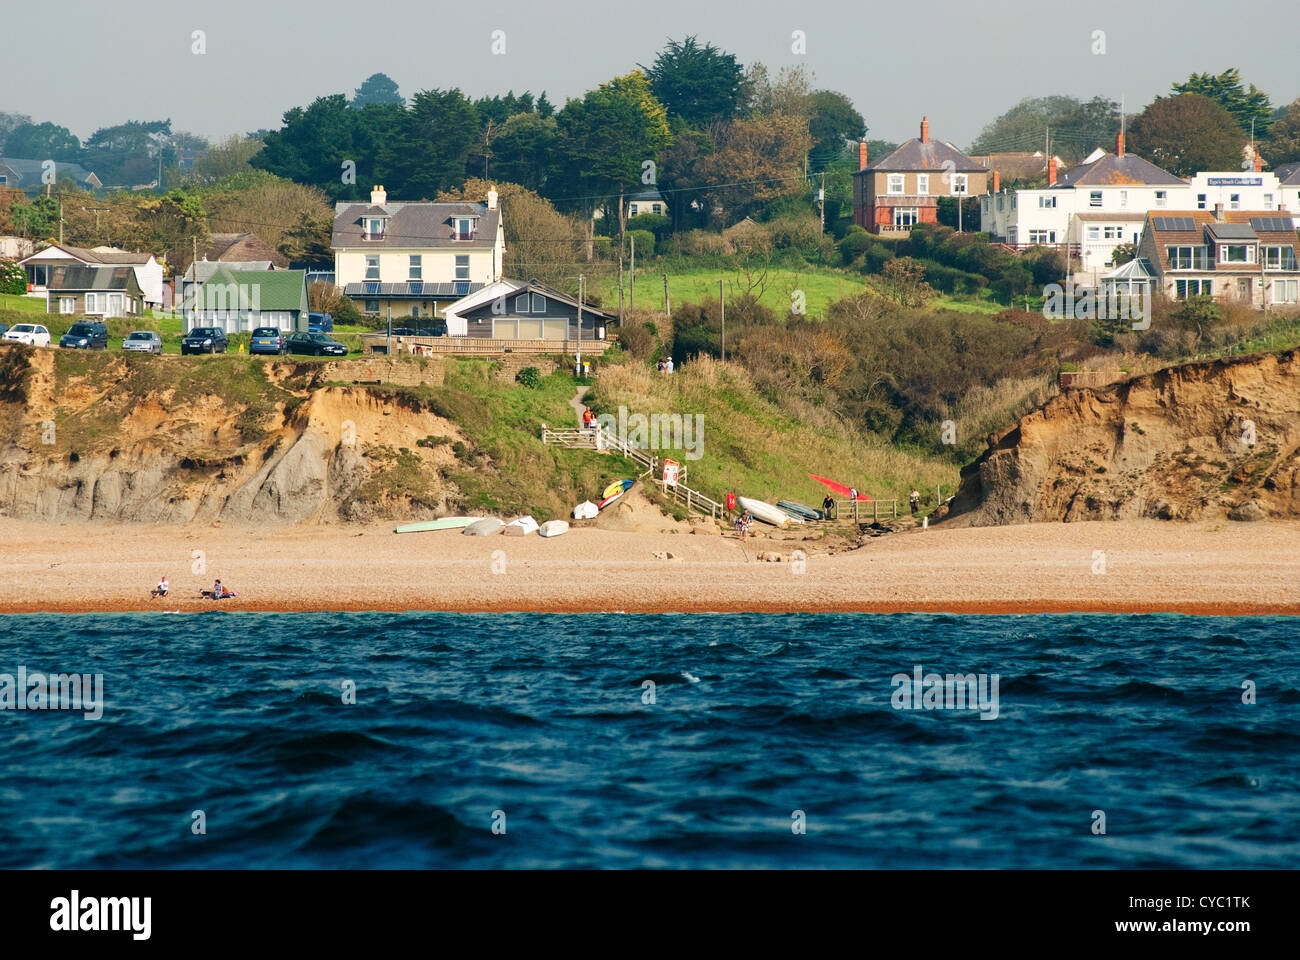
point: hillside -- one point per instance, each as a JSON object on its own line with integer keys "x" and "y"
{"x": 1207, "y": 439}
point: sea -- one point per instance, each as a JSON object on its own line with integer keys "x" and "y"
{"x": 412, "y": 740}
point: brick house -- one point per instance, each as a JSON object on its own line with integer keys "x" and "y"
{"x": 903, "y": 189}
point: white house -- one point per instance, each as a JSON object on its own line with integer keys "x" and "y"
{"x": 39, "y": 268}
{"x": 411, "y": 259}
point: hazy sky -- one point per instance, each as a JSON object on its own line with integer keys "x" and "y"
{"x": 91, "y": 63}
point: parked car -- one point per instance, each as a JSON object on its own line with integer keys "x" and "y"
{"x": 439, "y": 329}
{"x": 403, "y": 332}
{"x": 205, "y": 340}
{"x": 30, "y": 333}
{"x": 268, "y": 340}
{"x": 142, "y": 341}
{"x": 90, "y": 335}
{"x": 316, "y": 344}
{"x": 323, "y": 320}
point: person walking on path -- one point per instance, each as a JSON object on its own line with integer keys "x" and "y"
{"x": 829, "y": 510}
{"x": 915, "y": 500}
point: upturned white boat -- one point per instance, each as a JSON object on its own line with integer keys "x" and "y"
{"x": 762, "y": 510}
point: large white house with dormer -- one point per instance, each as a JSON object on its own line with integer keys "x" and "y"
{"x": 410, "y": 260}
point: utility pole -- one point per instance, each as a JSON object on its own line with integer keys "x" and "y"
{"x": 580, "y": 294}
{"x": 722, "y": 301}
{"x": 620, "y": 288}
{"x": 632, "y": 282}
{"x": 821, "y": 202}
{"x": 60, "y": 222}
{"x": 668, "y": 307}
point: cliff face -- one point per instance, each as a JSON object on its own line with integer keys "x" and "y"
{"x": 101, "y": 437}
{"x": 1213, "y": 438}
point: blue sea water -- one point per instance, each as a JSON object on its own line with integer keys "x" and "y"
{"x": 539, "y": 723}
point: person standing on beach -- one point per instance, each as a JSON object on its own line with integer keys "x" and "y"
{"x": 915, "y": 500}
{"x": 829, "y": 510}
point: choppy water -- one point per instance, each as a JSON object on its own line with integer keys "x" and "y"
{"x": 754, "y": 717}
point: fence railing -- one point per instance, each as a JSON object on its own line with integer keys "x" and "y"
{"x": 481, "y": 347}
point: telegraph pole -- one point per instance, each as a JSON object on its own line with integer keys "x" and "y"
{"x": 60, "y": 222}
{"x": 723, "y": 303}
{"x": 821, "y": 202}
{"x": 620, "y": 288}
{"x": 632, "y": 283}
{"x": 668, "y": 307}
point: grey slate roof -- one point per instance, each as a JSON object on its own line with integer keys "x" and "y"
{"x": 928, "y": 156}
{"x": 29, "y": 171}
{"x": 414, "y": 225}
{"x": 1289, "y": 174}
{"x": 91, "y": 278}
{"x": 100, "y": 256}
{"x": 1115, "y": 171}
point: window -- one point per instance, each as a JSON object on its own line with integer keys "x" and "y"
{"x": 92, "y": 303}
{"x": 1123, "y": 198}
{"x": 1094, "y": 198}
{"x": 657, "y": 207}
{"x": 958, "y": 183}
{"x": 1236, "y": 253}
{"x": 905, "y": 216}
{"x": 1013, "y": 201}
{"x": 1234, "y": 201}
{"x": 539, "y": 303}
{"x": 1279, "y": 258}
{"x": 1112, "y": 232}
{"x": 415, "y": 309}
{"x": 417, "y": 267}
{"x": 462, "y": 228}
{"x": 1192, "y": 288}
{"x": 521, "y": 303}
{"x": 1047, "y": 202}
{"x": 1042, "y": 236}
{"x": 372, "y": 268}
{"x": 372, "y": 306}
{"x": 374, "y": 229}
{"x": 1094, "y": 233}
{"x": 1188, "y": 258}
{"x": 1268, "y": 201}
{"x": 67, "y": 304}
{"x": 1162, "y": 198}
{"x": 923, "y": 184}
{"x": 1286, "y": 291}
{"x": 1200, "y": 201}
{"x": 462, "y": 266}
{"x": 895, "y": 183}
{"x": 999, "y": 201}
{"x": 1011, "y": 235}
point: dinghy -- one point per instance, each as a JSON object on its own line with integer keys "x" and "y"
{"x": 585, "y": 511}
{"x": 797, "y": 509}
{"x": 613, "y": 492}
{"x": 520, "y": 528}
{"x": 446, "y": 523}
{"x": 553, "y": 528}
{"x": 764, "y": 511}
{"x": 483, "y": 528}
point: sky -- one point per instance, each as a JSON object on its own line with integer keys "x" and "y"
{"x": 92, "y": 63}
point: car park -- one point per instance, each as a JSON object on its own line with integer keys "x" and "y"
{"x": 316, "y": 344}
{"x": 86, "y": 335}
{"x": 205, "y": 340}
{"x": 142, "y": 341}
{"x": 268, "y": 340}
{"x": 33, "y": 334}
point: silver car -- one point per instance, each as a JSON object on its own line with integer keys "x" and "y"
{"x": 142, "y": 341}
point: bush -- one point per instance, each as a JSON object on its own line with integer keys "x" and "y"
{"x": 656, "y": 223}
{"x": 12, "y": 278}
{"x": 645, "y": 242}
{"x": 529, "y": 377}
{"x": 698, "y": 243}
{"x": 638, "y": 340}
{"x": 794, "y": 231}
{"x": 604, "y": 246}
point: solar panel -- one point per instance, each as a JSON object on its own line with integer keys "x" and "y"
{"x": 462, "y": 287}
{"x": 417, "y": 288}
{"x": 372, "y": 288}
{"x": 1173, "y": 223}
{"x": 1272, "y": 224}
{"x": 1232, "y": 231}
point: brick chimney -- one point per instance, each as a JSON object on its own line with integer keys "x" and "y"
{"x": 1051, "y": 171}
{"x": 1259, "y": 163}
{"x": 378, "y": 195}
{"x": 862, "y": 154}
{"x": 925, "y": 130}
{"x": 997, "y": 181}
{"x": 1119, "y": 144}
{"x": 1218, "y": 213}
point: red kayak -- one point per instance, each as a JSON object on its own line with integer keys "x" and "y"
{"x": 839, "y": 488}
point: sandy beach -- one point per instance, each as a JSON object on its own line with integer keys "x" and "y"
{"x": 1122, "y": 567}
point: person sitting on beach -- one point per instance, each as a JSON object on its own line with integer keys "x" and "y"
{"x": 219, "y": 592}
{"x": 162, "y": 588}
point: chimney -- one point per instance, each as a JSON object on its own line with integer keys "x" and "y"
{"x": 492, "y": 199}
{"x": 1259, "y": 163}
{"x": 1119, "y": 144}
{"x": 1051, "y": 171}
{"x": 925, "y": 130}
{"x": 862, "y": 154}
{"x": 997, "y": 181}
{"x": 378, "y": 196}
{"x": 1218, "y": 213}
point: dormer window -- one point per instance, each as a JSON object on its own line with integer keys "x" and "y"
{"x": 462, "y": 228}
{"x": 372, "y": 228}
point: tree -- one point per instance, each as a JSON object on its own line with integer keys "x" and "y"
{"x": 314, "y": 146}
{"x": 756, "y": 161}
{"x": 440, "y": 132}
{"x": 1283, "y": 144}
{"x": 280, "y": 212}
{"x": 788, "y": 93}
{"x": 903, "y": 282}
{"x": 43, "y": 141}
{"x": 9, "y": 122}
{"x": 1187, "y": 133}
{"x": 379, "y": 89}
{"x": 522, "y": 149}
{"x": 174, "y": 222}
{"x": 1076, "y": 127}
{"x": 224, "y": 159}
{"x": 699, "y": 84}
{"x": 832, "y": 124}
{"x": 35, "y": 220}
{"x": 1226, "y": 90}
{"x": 128, "y": 153}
